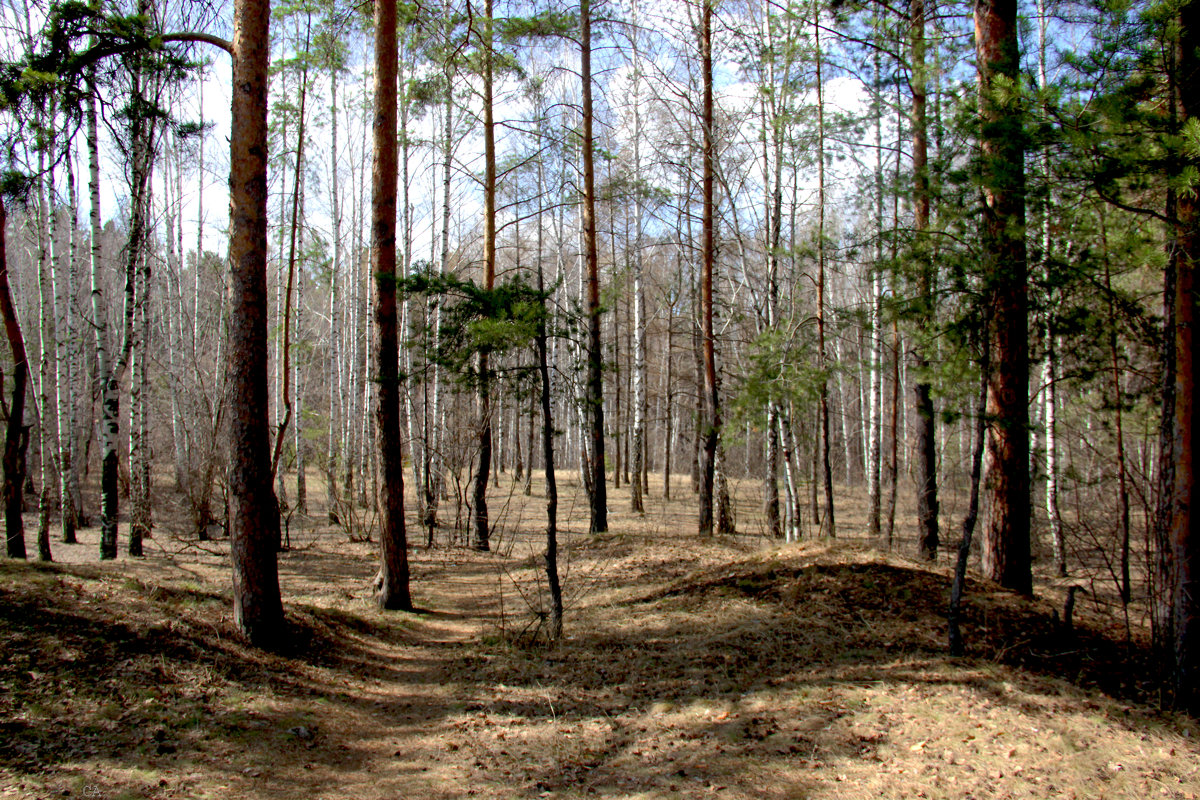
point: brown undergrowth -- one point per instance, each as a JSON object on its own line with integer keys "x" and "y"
{"x": 690, "y": 668}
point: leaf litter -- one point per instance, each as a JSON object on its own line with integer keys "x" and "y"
{"x": 691, "y": 668}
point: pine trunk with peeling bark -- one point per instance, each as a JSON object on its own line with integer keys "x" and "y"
{"x": 875, "y": 454}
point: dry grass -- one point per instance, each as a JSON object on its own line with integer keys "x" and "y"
{"x": 732, "y": 667}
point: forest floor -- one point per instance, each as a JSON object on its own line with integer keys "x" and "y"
{"x": 732, "y": 667}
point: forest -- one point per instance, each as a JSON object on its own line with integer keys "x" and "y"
{"x": 465, "y": 322}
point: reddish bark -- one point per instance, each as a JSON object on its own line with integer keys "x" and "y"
{"x": 253, "y": 510}
{"x": 1185, "y": 544}
{"x": 393, "y": 545}
{"x": 1006, "y": 552}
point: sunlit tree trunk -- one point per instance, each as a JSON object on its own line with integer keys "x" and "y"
{"x": 75, "y": 349}
{"x": 875, "y": 448}
{"x": 253, "y": 509}
{"x": 47, "y": 230}
{"x": 64, "y": 334}
{"x": 393, "y": 547}
{"x": 639, "y": 290}
{"x": 1050, "y": 367}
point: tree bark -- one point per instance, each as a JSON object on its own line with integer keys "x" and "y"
{"x": 393, "y": 546}
{"x": 253, "y": 509}
{"x": 64, "y": 334}
{"x": 551, "y": 557}
{"x": 479, "y": 498}
{"x": 1185, "y": 543}
{"x": 828, "y": 524}
{"x": 1006, "y": 546}
{"x": 926, "y": 422}
{"x": 16, "y": 434}
{"x": 712, "y": 406}
{"x": 637, "y": 502}
{"x": 595, "y": 354}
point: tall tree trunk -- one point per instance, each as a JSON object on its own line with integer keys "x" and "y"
{"x": 1006, "y": 546}
{"x": 552, "y": 578}
{"x": 481, "y": 532}
{"x": 333, "y": 364}
{"x": 141, "y": 137}
{"x": 595, "y": 354}
{"x": 668, "y": 396}
{"x": 135, "y": 350}
{"x": 140, "y": 517}
{"x": 773, "y": 195}
{"x": 64, "y": 397}
{"x": 1162, "y": 574}
{"x": 1185, "y": 543}
{"x": 639, "y": 290}
{"x": 253, "y": 509}
{"x": 828, "y": 525}
{"x": 875, "y": 454}
{"x": 712, "y": 406}
{"x": 47, "y": 227}
{"x": 1050, "y": 404}
{"x": 926, "y": 422}
{"x": 393, "y": 545}
{"x": 74, "y": 351}
{"x": 104, "y": 369}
